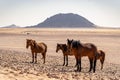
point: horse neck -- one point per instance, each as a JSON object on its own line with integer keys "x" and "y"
{"x": 33, "y": 46}
{"x": 63, "y": 48}
{"x": 36, "y": 45}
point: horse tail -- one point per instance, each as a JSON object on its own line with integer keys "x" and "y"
{"x": 102, "y": 58}
{"x": 103, "y": 55}
{"x": 45, "y": 47}
{"x": 44, "y": 54}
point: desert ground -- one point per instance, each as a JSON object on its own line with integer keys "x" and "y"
{"x": 15, "y": 58}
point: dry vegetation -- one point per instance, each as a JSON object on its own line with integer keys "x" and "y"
{"x": 15, "y": 58}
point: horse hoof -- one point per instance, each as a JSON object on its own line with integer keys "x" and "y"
{"x": 93, "y": 71}
{"x": 31, "y": 62}
{"x": 76, "y": 70}
{"x": 35, "y": 62}
{"x": 75, "y": 66}
{"x": 79, "y": 71}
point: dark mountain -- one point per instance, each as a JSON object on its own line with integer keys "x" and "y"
{"x": 11, "y": 26}
{"x": 66, "y": 20}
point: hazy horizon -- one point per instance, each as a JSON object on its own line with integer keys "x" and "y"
{"x": 30, "y": 12}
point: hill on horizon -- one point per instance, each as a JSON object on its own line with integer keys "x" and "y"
{"x": 68, "y": 20}
{"x": 11, "y": 26}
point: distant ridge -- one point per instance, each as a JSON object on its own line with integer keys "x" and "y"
{"x": 11, "y": 26}
{"x": 68, "y": 20}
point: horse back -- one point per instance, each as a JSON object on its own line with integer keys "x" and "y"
{"x": 88, "y": 49}
{"x": 43, "y": 47}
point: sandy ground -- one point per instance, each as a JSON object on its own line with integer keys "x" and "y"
{"x": 15, "y": 58}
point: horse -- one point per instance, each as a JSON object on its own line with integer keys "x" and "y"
{"x": 64, "y": 49}
{"x": 36, "y": 48}
{"x": 101, "y": 57}
{"x": 79, "y": 50}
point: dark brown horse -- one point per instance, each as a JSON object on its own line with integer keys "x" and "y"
{"x": 101, "y": 57}
{"x": 79, "y": 50}
{"x": 36, "y": 48}
{"x": 64, "y": 49}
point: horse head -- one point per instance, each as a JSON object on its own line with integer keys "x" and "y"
{"x": 58, "y": 47}
{"x": 30, "y": 42}
{"x": 69, "y": 42}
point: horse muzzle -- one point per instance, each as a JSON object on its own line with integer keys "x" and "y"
{"x": 56, "y": 51}
{"x": 27, "y": 47}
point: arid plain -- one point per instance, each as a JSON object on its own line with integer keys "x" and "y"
{"x": 15, "y": 58}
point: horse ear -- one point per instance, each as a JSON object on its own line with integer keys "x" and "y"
{"x": 58, "y": 44}
{"x": 33, "y": 41}
{"x": 68, "y": 40}
{"x": 72, "y": 40}
{"x": 27, "y": 39}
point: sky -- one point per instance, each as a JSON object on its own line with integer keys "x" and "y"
{"x": 104, "y": 13}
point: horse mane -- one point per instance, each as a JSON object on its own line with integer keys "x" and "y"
{"x": 76, "y": 44}
{"x": 64, "y": 47}
{"x": 34, "y": 44}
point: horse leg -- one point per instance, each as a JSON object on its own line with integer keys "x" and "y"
{"x": 67, "y": 60}
{"x": 94, "y": 67}
{"x": 44, "y": 56}
{"x": 102, "y": 61}
{"x": 64, "y": 61}
{"x": 79, "y": 65}
{"x": 35, "y": 57}
{"x": 32, "y": 57}
{"x": 76, "y": 62}
{"x": 91, "y": 64}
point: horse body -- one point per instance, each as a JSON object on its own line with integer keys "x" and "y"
{"x": 64, "y": 49}
{"x": 88, "y": 49}
{"x": 79, "y": 50}
{"x": 36, "y": 48}
{"x": 39, "y": 48}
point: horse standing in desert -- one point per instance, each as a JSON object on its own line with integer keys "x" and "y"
{"x": 36, "y": 48}
{"x": 66, "y": 53}
{"x": 79, "y": 50}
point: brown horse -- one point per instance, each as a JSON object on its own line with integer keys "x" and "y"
{"x": 101, "y": 57}
{"x": 79, "y": 50}
{"x": 64, "y": 49}
{"x": 36, "y": 48}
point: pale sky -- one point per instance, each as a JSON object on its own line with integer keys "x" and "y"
{"x": 31, "y": 12}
